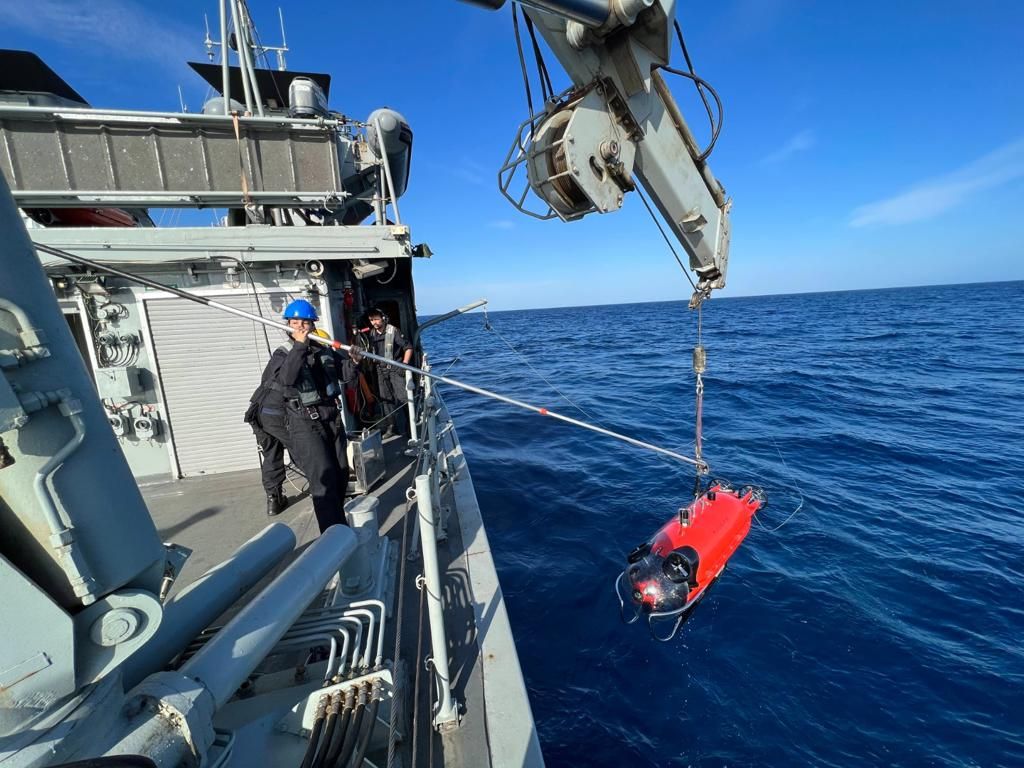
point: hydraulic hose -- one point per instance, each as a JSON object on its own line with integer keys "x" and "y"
{"x": 353, "y": 731}
{"x": 314, "y": 735}
{"x": 331, "y": 724}
{"x": 334, "y": 748}
{"x": 364, "y": 739}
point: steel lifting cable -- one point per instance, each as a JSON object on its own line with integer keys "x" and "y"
{"x": 699, "y": 353}
{"x": 665, "y": 236}
{"x": 700, "y": 361}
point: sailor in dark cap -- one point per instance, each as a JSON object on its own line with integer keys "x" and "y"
{"x": 387, "y": 341}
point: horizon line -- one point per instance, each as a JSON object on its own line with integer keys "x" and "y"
{"x": 750, "y": 296}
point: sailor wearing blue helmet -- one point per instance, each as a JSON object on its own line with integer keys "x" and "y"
{"x": 302, "y": 384}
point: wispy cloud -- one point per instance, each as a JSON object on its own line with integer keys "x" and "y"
{"x": 502, "y": 224}
{"x": 935, "y": 196}
{"x": 471, "y": 172}
{"x": 798, "y": 143}
{"x": 466, "y": 170}
{"x": 124, "y": 29}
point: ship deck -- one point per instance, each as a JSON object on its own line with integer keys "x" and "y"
{"x": 214, "y": 514}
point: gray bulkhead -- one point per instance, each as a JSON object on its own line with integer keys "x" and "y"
{"x": 175, "y": 377}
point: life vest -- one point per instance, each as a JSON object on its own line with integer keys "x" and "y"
{"x": 306, "y": 390}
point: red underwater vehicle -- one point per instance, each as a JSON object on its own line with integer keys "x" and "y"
{"x": 669, "y": 575}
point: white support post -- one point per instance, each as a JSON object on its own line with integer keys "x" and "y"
{"x": 446, "y": 713}
{"x": 410, "y": 390}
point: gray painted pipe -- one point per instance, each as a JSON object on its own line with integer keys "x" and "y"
{"x": 231, "y": 656}
{"x": 62, "y": 537}
{"x": 197, "y": 606}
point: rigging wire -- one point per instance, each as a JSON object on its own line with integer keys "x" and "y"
{"x": 416, "y": 679}
{"x": 398, "y": 700}
{"x": 796, "y": 488}
{"x": 264, "y": 53}
{"x": 488, "y": 326}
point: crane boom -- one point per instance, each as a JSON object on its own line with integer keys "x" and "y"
{"x": 619, "y": 120}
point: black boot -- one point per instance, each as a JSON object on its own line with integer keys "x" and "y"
{"x": 276, "y": 503}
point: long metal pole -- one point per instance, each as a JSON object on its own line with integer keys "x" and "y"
{"x": 447, "y": 712}
{"x": 225, "y": 65}
{"x": 246, "y": 45}
{"x": 241, "y": 58}
{"x": 700, "y": 464}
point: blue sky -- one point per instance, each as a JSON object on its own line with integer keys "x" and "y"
{"x": 865, "y": 145}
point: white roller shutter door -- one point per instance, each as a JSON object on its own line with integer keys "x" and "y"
{"x": 209, "y": 363}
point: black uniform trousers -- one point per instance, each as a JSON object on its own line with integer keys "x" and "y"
{"x": 319, "y": 449}
{"x": 394, "y": 398}
{"x": 272, "y": 438}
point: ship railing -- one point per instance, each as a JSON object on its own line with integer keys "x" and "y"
{"x": 416, "y": 411}
{"x": 427, "y": 494}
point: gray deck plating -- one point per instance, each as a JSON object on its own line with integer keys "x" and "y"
{"x": 213, "y": 515}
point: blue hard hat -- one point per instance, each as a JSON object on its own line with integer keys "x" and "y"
{"x": 300, "y": 309}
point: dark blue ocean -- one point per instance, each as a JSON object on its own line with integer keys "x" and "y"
{"x": 882, "y": 625}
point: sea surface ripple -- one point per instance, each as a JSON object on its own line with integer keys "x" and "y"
{"x": 882, "y": 625}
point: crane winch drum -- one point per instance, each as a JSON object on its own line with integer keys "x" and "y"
{"x": 580, "y": 159}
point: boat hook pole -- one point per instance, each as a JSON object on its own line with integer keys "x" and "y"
{"x": 699, "y": 463}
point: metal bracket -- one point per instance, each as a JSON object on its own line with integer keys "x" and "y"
{"x": 112, "y": 629}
